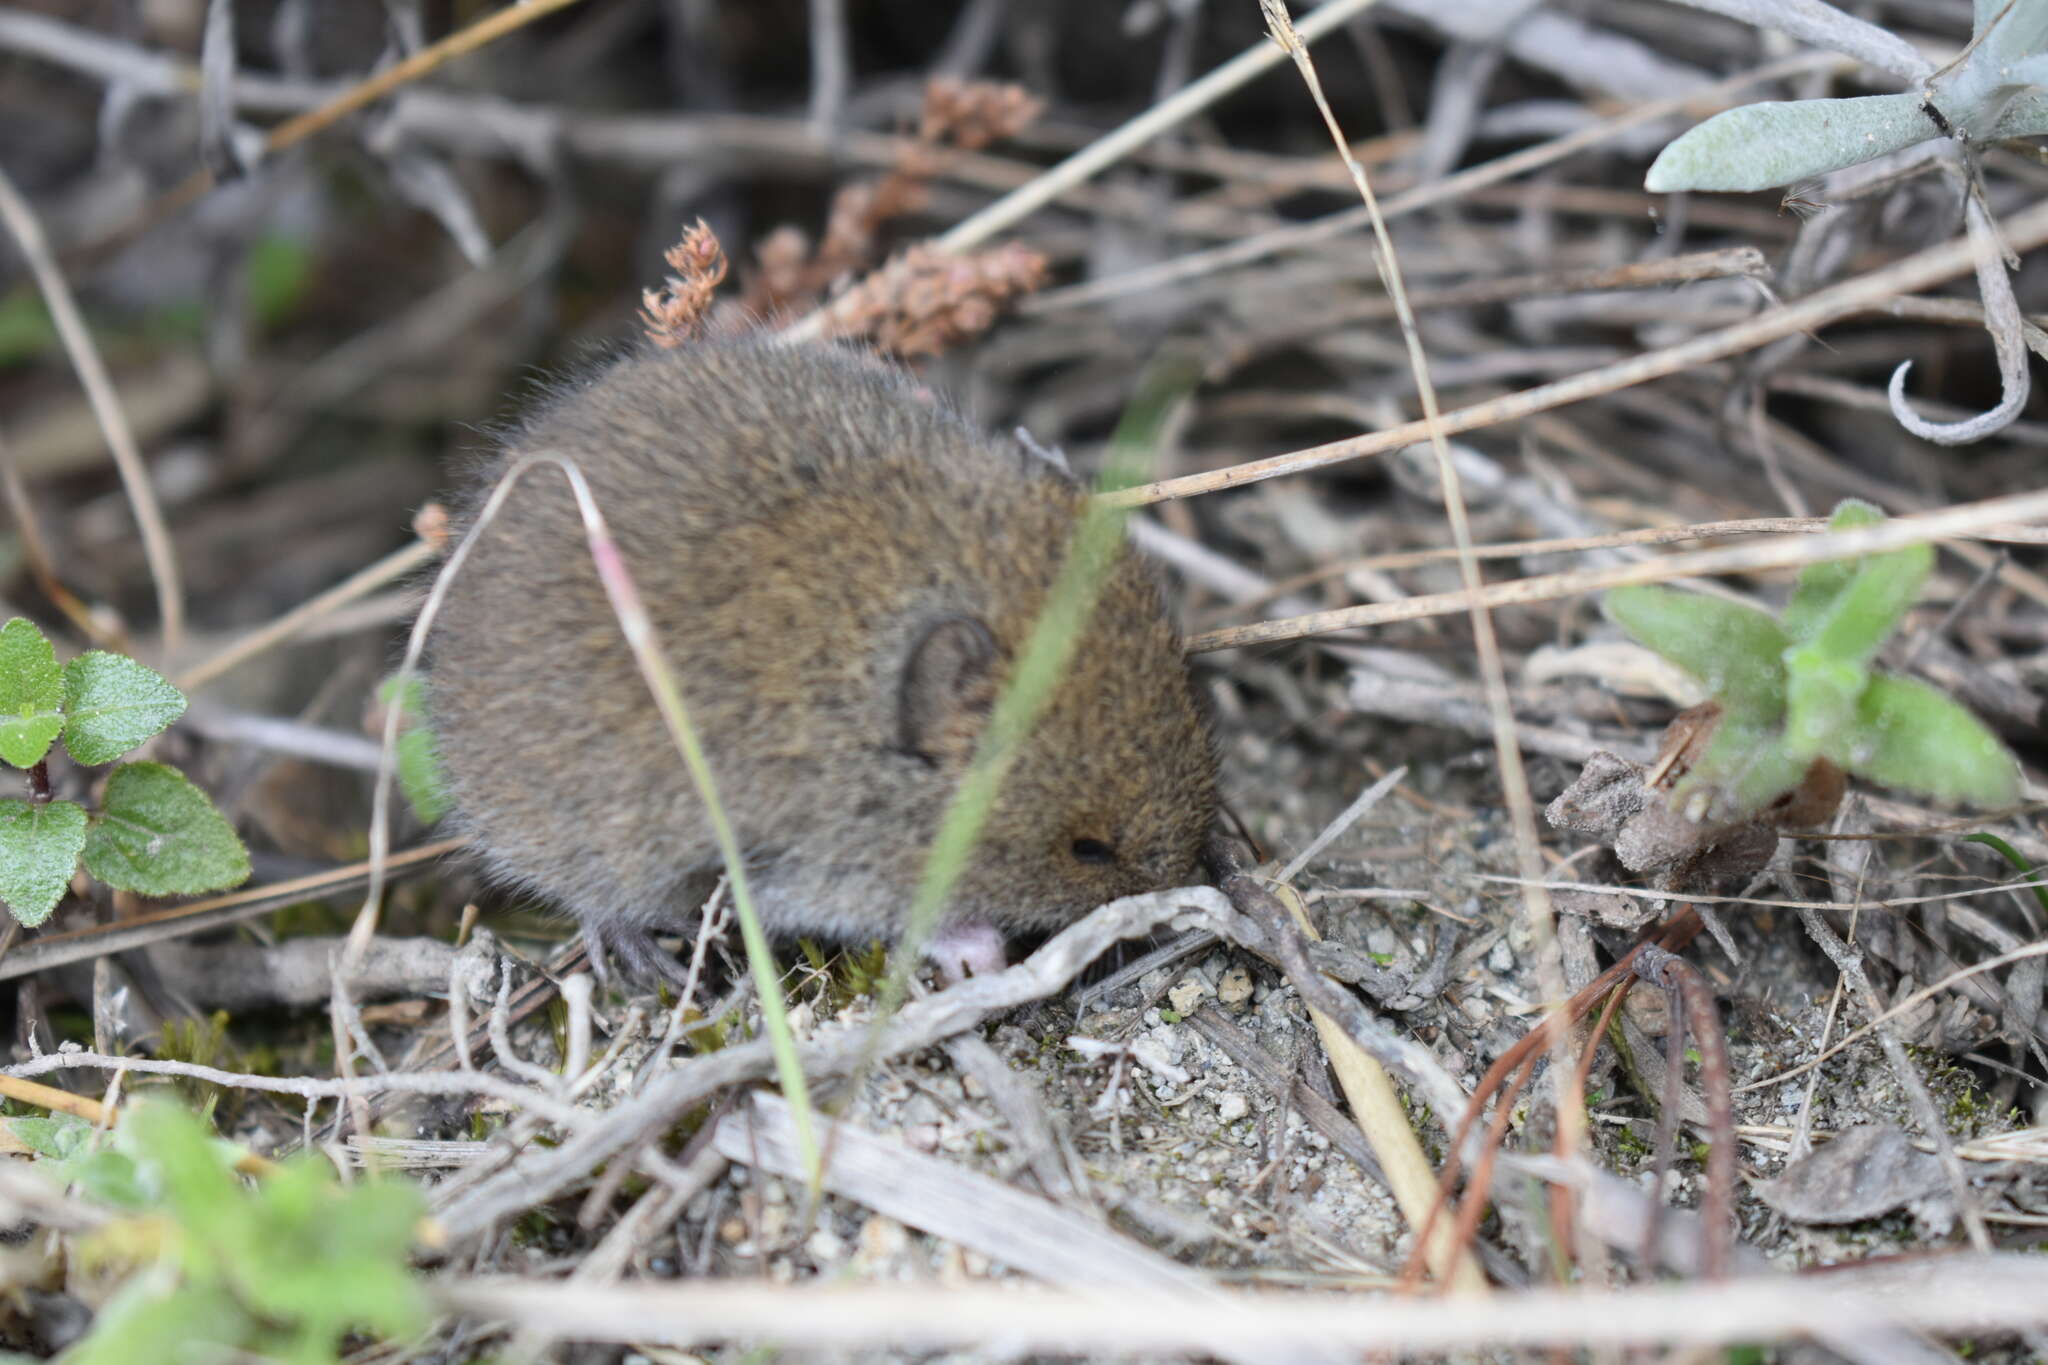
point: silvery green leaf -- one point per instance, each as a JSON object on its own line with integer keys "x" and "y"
{"x": 1761, "y": 146}
{"x": 2027, "y": 114}
{"x": 2017, "y": 31}
{"x": 1821, "y": 24}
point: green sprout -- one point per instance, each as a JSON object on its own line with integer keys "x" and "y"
{"x": 1800, "y": 688}
{"x": 223, "y": 1269}
{"x": 154, "y": 833}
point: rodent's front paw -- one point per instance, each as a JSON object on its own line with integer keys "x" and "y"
{"x": 631, "y": 948}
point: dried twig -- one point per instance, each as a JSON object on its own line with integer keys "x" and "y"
{"x": 1965, "y": 1294}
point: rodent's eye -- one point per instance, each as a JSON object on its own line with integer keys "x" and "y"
{"x": 1093, "y": 851}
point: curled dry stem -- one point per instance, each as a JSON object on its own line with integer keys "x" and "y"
{"x": 2002, "y": 320}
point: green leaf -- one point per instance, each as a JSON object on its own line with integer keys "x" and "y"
{"x": 59, "y": 1137}
{"x": 112, "y": 704}
{"x": 279, "y": 269}
{"x": 31, "y": 694}
{"x": 1745, "y": 767}
{"x": 1820, "y": 699}
{"x": 111, "y": 1178}
{"x": 153, "y": 1311}
{"x": 1914, "y": 737}
{"x": 158, "y": 835}
{"x": 39, "y": 847}
{"x": 1820, "y": 583}
{"x": 336, "y": 1260}
{"x": 1761, "y": 146}
{"x": 220, "y": 1240}
{"x": 420, "y": 774}
{"x": 25, "y": 328}
{"x": 1869, "y": 607}
{"x": 1735, "y": 650}
{"x": 2026, "y": 116}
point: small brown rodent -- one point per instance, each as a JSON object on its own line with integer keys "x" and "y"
{"x": 842, "y": 573}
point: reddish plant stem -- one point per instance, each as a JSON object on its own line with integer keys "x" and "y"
{"x": 1674, "y": 933}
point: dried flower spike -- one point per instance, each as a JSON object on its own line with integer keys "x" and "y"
{"x": 972, "y": 114}
{"x": 926, "y": 301}
{"x": 674, "y": 312}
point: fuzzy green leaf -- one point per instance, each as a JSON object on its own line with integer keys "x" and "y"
{"x": 1820, "y": 700}
{"x": 1819, "y": 584}
{"x": 1916, "y": 738}
{"x": 112, "y": 704}
{"x": 1736, "y": 651}
{"x": 1761, "y": 146}
{"x": 152, "y": 1317}
{"x": 2026, "y": 115}
{"x": 39, "y": 847}
{"x": 158, "y": 835}
{"x": 1869, "y": 607}
{"x": 1745, "y": 767}
{"x": 201, "y": 1192}
{"x": 347, "y": 1253}
{"x": 306, "y": 1260}
{"x": 31, "y": 694}
{"x": 60, "y": 1137}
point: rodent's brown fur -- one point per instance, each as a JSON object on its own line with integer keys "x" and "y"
{"x": 797, "y": 520}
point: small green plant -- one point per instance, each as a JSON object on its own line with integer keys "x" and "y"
{"x": 154, "y": 832}
{"x": 223, "y": 1268}
{"x": 1798, "y": 689}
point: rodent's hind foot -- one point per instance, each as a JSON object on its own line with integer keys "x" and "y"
{"x": 970, "y": 949}
{"x": 630, "y": 948}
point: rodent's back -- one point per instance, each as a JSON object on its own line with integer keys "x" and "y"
{"x": 801, "y": 523}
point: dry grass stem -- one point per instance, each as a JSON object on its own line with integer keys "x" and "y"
{"x": 1539, "y": 916}
{"x": 1864, "y": 293}
{"x": 106, "y": 408}
{"x": 1777, "y": 553}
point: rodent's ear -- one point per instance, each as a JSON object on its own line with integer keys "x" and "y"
{"x": 948, "y": 686}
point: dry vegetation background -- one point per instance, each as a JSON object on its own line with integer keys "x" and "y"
{"x": 309, "y": 325}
